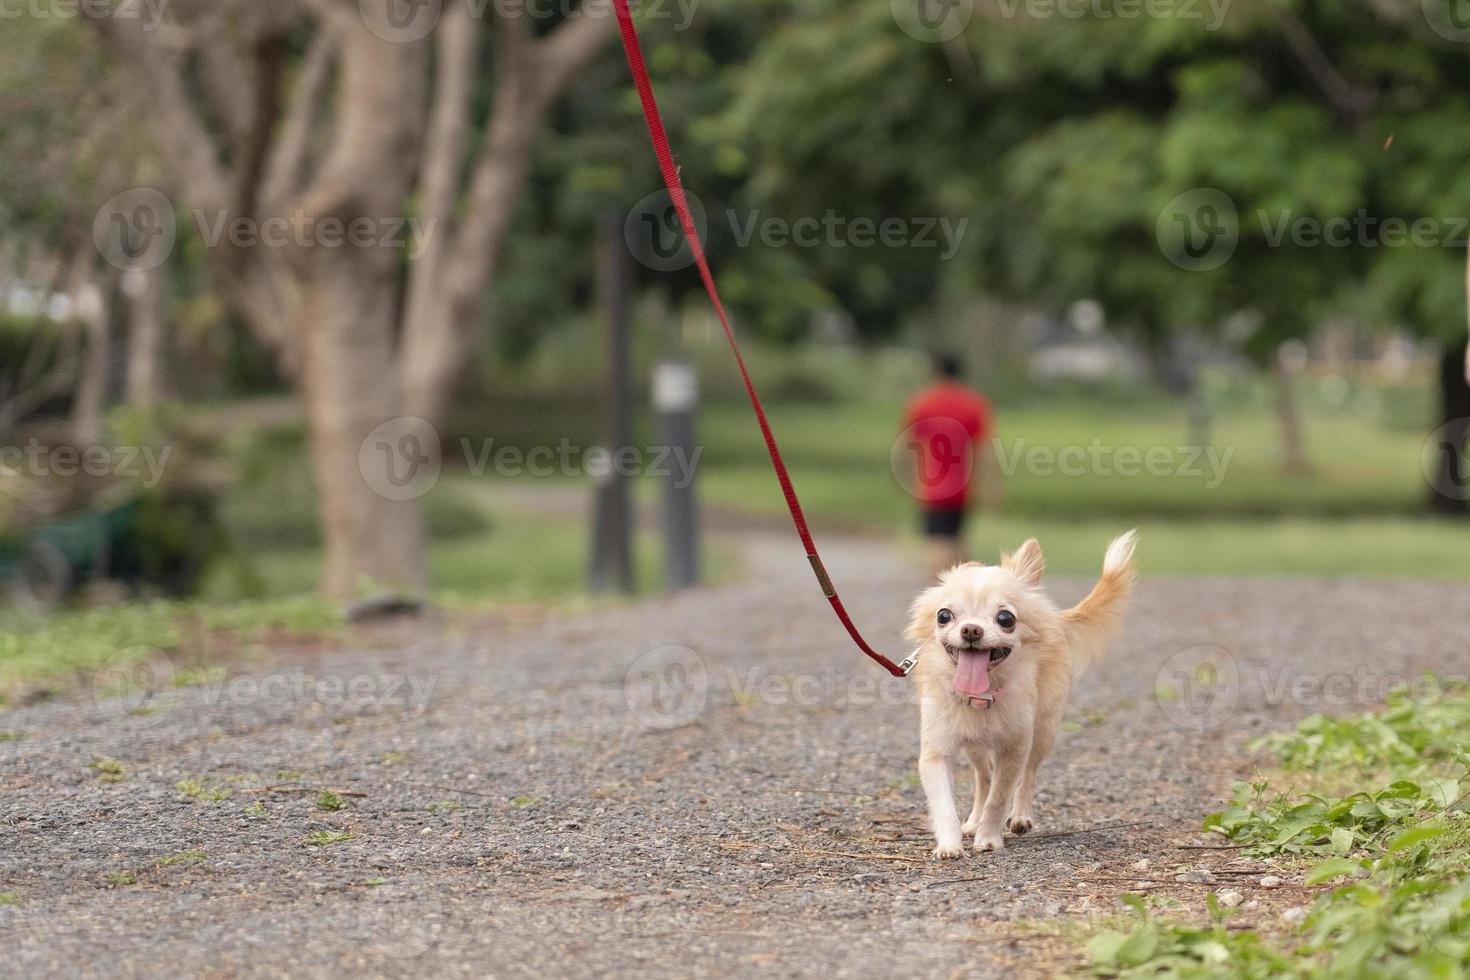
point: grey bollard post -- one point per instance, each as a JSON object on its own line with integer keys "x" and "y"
{"x": 675, "y": 398}
{"x": 611, "y": 565}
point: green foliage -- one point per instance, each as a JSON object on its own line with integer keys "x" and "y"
{"x": 1156, "y": 947}
{"x": 1426, "y": 724}
{"x": 1322, "y": 825}
{"x": 329, "y": 801}
{"x": 203, "y": 790}
{"x": 116, "y": 637}
{"x": 109, "y": 770}
{"x": 1398, "y": 859}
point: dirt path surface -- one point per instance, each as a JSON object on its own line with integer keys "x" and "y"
{"x": 715, "y": 784}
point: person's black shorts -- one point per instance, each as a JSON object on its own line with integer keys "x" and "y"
{"x": 944, "y": 522}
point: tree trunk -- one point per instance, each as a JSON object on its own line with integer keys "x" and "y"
{"x": 1294, "y": 460}
{"x": 370, "y": 472}
{"x": 92, "y": 306}
{"x": 1450, "y": 489}
{"x": 144, "y": 292}
{"x": 371, "y": 469}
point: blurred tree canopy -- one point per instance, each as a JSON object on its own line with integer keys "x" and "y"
{"x": 1063, "y": 140}
{"x": 1247, "y": 169}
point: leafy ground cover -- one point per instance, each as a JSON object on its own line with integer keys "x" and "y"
{"x": 1385, "y": 834}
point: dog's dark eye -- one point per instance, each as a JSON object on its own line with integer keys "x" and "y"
{"x": 1006, "y": 620}
{"x": 945, "y": 617}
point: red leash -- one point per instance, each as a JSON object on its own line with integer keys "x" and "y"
{"x": 676, "y": 193}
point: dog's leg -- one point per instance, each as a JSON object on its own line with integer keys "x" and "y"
{"x": 1009, "y": 763}
{"x": 980, "y": 761}
{"x": 1022, "y": 819}
{"x": 938, "y": 782}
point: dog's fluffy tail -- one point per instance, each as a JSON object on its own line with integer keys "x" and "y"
{"x": 1095, "y": 620}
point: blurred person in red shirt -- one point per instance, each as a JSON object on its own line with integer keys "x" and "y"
{"x": 947, "y": 429}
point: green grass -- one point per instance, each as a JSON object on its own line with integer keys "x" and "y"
{"x": 1392, "y": 850}
{"x": 836, "y": 414}
{"x": 99, "y": 648}
{"x": 203, "y": 790}
{"x": 329, "y": 801}
{"x": 499, "y": 553}
{"x": 837, "y": 418}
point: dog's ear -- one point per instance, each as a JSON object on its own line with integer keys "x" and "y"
{"x": 1027, "y": 563}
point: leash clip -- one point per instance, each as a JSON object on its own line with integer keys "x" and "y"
{"x": 907, "y": 666}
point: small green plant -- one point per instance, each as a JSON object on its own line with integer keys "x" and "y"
{"x": 11, "y": 735}
{"x": 524, "y": 801}
{"x": 330, "y": 801}
{"x": 196, "y": 789}
{"x": 183, "y": 857}
{"x": 442, "y": 806}
{"x": 109, "y": 770}
{"x": 119, "y": 879}
{"x": 9, "y": 898}
{"x": 1156, "y": 947}
{"x": 256, "y": 810}
{"x": 323, "y": 838}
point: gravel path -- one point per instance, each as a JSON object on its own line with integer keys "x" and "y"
{"x": 713, "y": 784}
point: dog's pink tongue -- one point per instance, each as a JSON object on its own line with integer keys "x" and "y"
{"x": 972, "y": 675}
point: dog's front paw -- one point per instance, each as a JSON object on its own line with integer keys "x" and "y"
{"x": 1020, "y": 825}
{"x": 984, "y": 843}
{"x": 970, "y": 826}
{"x": 947, "y": 850}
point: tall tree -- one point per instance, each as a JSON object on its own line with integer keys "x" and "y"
{"x": 322, "y": 115}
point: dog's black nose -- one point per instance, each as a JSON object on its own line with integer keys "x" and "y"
{"x": 970, "y": 632}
